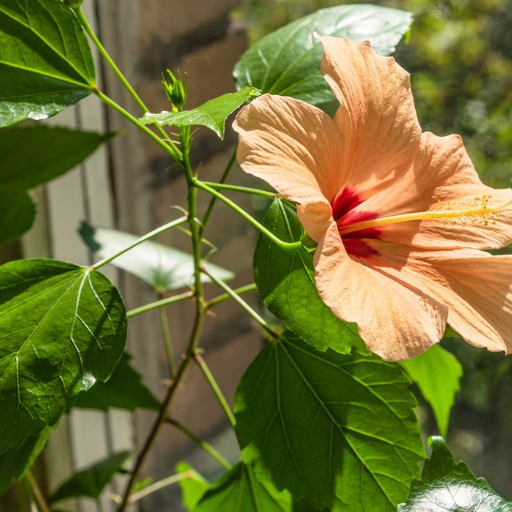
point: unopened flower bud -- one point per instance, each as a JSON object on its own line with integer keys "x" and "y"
{"x": 175, "y": 90}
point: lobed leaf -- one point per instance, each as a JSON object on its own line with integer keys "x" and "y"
{"x": 212, "y": 114}
{"x": 91, "y": 481}
{"x": 62, "y": 327}
{"x": 193, "y": 488}
{"x": 160, "y": 266}
{"x": 240, "y": 490}
{"x": 336, "y": 431}
{"x": 287, "y": 61}
{"x": 45, "y": 62}
{"x": 124, "y": 390}
{"x": 447, "y": 486}
{"x": 286, "y": 284}
{"x": 437, "y": 374}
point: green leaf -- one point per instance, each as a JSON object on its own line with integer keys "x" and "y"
{"x": 240, "y": 490}
{"x": 32, "y": 155}
{"x": 212, "y": 114}
{"x": 287, "y": 61}
{"x": 447, "y": 486}
{"x": 91, "y": 481}
{"x": 45, "y": 62}
{"x": 193, "y": 487}
{"x": 162, "y": 267}
{"x": 286, "y": 284}
{"x": 327, "y": 426}
{"x": 62, "y": 328}
{"x": 17, "y": 214}
{"x": 437, "y": 373}
{"x": 124, "y": 390}
{"x": 14, "y": 463}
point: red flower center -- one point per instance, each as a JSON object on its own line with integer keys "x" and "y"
{"x": 343, "y": 212}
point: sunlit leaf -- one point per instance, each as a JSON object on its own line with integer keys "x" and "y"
{"x": 32, "y": 155}
{"x": 193, "y": 487}
{"x": 17, "y": 214}
{"x": 240, "y": 490}
{"x": 437, "y": 374}
{"x": 329, "y": 427}
{"x": 45, "y": 61}
{"x": 124, "y": 390}
{"x": 447, "y": 486}
{"x": 286, "y": 283}
{"x": 91, "y": 481}
{"x": 14, "y": 463}
{"x": 62, "y": 327}
{"x": 212, "y": 114}
{"x": 287, "y": 61}
{"x": 162, "y": 267}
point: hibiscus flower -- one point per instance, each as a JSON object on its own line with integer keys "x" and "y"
{"x": 401, "y": 217}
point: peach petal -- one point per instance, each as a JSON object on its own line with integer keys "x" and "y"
{"x": 376, "y": 118}
{"x": 296, "y": 148}
{"x": 476, "y": 287}
{"x": 397, "y": 321}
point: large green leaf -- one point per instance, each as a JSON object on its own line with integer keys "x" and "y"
{"x": 239, "y": 490}
{"x": 162, "y": 267}
{"x": 17, "y": 214}
{"x": 193, "y": 487}
{"x": 91, "y": 481}
{"x": 287, "y": 61}
{"x": 15, "y": 462}
{"x": 437, "y": 373}
{"x": 32, "y": 155}
{"x": 327, "y": 426}
{"x": 124, "y": 390}
{"x": 62, "y": 327}
{"x": 45, "y": 61}
{"x": 447, "y": 486}
{"x": 212, "y": 114}
{"x": 286, "y": 283}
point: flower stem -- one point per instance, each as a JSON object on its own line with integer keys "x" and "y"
{"x": 160, "y": 304}
{"x": 108, "y": 59}
{"x": 226, "y": 296}
{"x": 166, "y": 334}
{"x": 253, "y": 314}
{"x": 213, "y": 200}
{"x": 286, "y": 246}
{"x": 243, "y": 190}
{"x": 198, "y": 358}
{"x": 151, "y": 234}
{"x": 157, "y": 486}
{"x": 200, "y": 442}
{"x": 37, "y": 493}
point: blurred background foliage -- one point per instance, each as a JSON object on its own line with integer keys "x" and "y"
{"x": 460, "y": 56}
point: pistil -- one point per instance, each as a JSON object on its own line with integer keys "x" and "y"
{"x": 457, "y": 213}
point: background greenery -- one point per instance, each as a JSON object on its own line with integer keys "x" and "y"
{"x": 460, "y": 57}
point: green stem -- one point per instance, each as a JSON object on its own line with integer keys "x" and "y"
{"x": 175, "y": 153}
{"x": 286, "y": 246}
{"x": 157, "y": 486}
{"x": 160, "y": 304}
{"x": 166, "y": 334}
{"x": 36, "y": 492}
{"x": 108, "y": 59}
{"x": 200, "y": 442}
{"x": 243, "y": 190}
{"x": 253, "y": 314}
{"x": 151, "y": 234}
{"x": 196, "y": 329}
{"x": 213, "y": 200}
{"x": 198, "y": 358}
{"x": 226, "y": 296}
